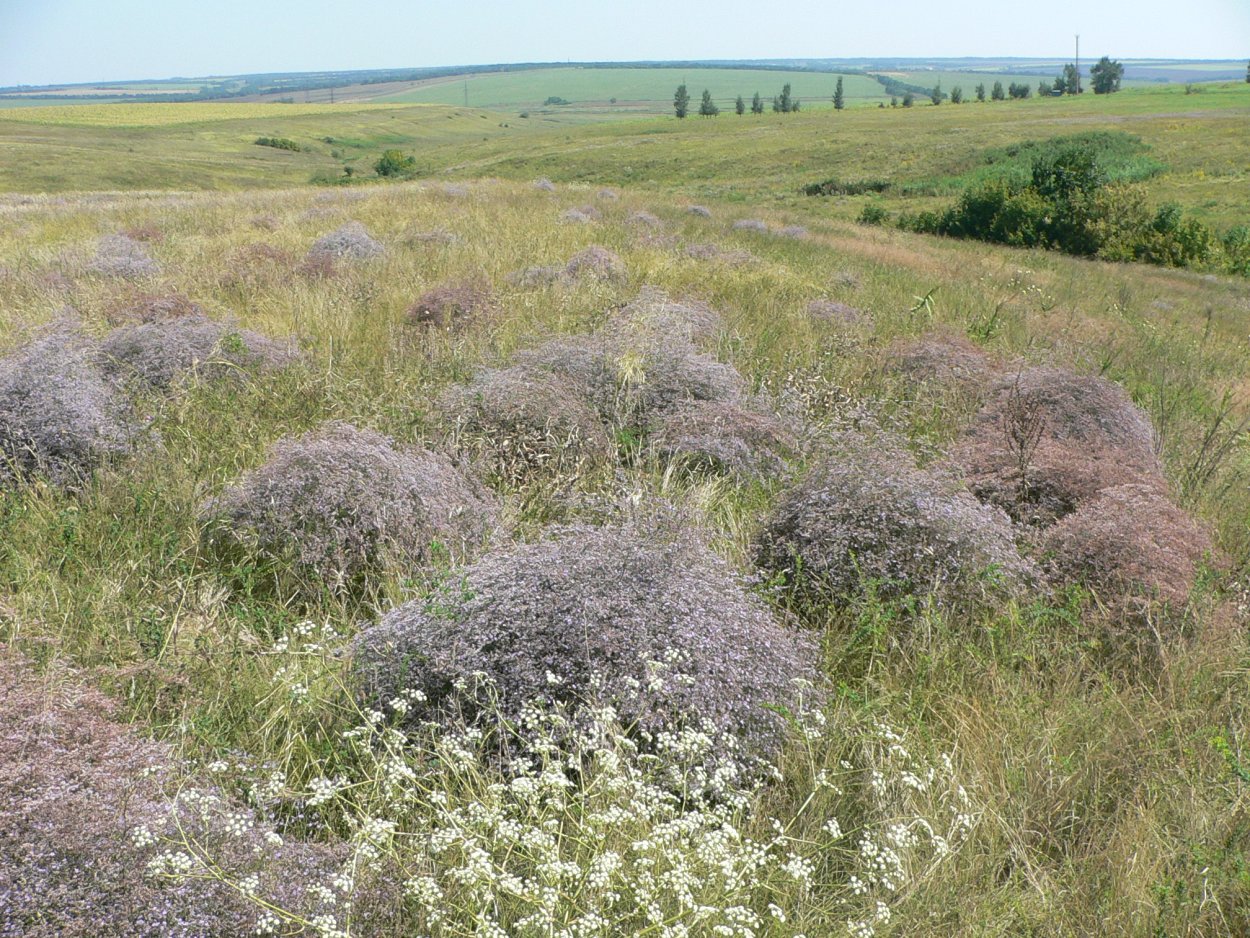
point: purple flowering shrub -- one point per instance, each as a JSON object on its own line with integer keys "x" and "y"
{"x": 163, "y": 351}
{"x": 350, "y": 242}
{"x": 339, "y": 503}
{"x": 60, "y": 416}
{"x": 867, "y": 512}
{"x": 643, "y": 617}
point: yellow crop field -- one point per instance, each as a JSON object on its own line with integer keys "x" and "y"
{"x": 164, "y": 115}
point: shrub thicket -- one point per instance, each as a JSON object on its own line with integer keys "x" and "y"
{"x": 643, "y": 617}
{"x": 339, "y": 503}
{"x": 60, "y": 415}
{"x": 278, "y": 143}
{"x": 867, "y": 517}
{"x": 1070, "y": 204}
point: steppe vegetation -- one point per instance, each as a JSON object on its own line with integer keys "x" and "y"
{"x": 423, "y": 558}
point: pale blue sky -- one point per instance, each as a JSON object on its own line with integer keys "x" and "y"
{"x": 46, "y": 41}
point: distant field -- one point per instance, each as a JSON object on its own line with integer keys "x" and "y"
{"x": 648, "y": 88}
{"x": 164, "y": 115}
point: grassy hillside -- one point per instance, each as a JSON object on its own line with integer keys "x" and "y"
{"x": 1101, "y": 765}
{"x": 1016, "y": 725}
{"x": 924, "y": 152}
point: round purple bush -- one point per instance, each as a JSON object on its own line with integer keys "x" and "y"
{"x": 352, "y": 242}
{"x": 728, "y": 438}
{"x": 339, "y": 503}
{"x": 161, "y": 352}
{"x": 120, "y": 256}
{"x": 60, "y": 416}
{"x": 523, "y": 421}
{"x": 598, "y": 614}
{"x": 867, "y": 513}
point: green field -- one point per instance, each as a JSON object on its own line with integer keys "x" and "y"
{"x": 649, "y": 89}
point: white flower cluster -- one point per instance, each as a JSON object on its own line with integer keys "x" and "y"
{"x": 579, "y": 832}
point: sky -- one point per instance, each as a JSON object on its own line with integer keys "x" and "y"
{"x": 64, "y": 41}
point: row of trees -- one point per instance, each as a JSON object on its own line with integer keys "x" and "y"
{"x": 784, "y": 103}
{"x": 1105, "y": 78}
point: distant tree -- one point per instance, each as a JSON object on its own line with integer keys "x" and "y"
{"x": 981, "y": 91}
{"x": 1105, "y": 76}
{"x": 757, "y": 104}
{"x": 784, "y": 102}
{"x": 1018, "y": 90}
{"x": 1043, "y": 88}
{"x": 893, "y": 101}
{"x": 1248, "y": 73}
{"x": 395, "y": 163}
{"x": 909, "y": 99}
{"x": 957, "y": 95}
{"x": 997, "y": 93}
{"x": 839, "y": 100}
{"x": 681, "y": 101}
{"x": 1071, "y": 79}
{"x": 706, "y": 107}
{"x": 936, "y": 94}
{"x": 740, "y": 106}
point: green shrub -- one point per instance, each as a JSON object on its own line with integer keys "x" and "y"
{"x": 554, "y": 99}
{"x": 873, "y": 215}
{"x": 1236, "y": 244}
{"x": 395, "y": 163}
{"x": 833, "y": 186}
{"x": 278, "y": 143}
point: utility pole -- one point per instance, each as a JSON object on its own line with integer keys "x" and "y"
{"x": 1078, "y": 63}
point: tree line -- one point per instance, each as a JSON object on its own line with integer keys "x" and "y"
{"x": 1105, "y": 78}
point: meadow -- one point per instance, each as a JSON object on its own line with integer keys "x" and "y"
{"x": 983, "y": 747}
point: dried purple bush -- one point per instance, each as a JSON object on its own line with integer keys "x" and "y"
{"x": 152, "y": 307}
{"x": 750, "y": 224}
{"x": 80, "y": 792}
{"x": 119, "y": 256}
{"x": 653, "y": 313}
{"x": 833, "y": 311}
{"x": 726, "y": 438}
{"x": 942, "y": 358}
{"x": 596, "y": 262}
{"x": 1047, "y": 440}
{"x": 528, "y": 277}
{"x": 73, "y": 787}
{"x": 797, "y": 232}
{"x": 60, "y": 416}
{"x": 608, "y": 195}
{"x": 1131, "y": 546}
{"x": 524, "y": 421}
{"x": 350, "y": 242}
{"x": 593, "y": 614}
{"x": 644, "y": 220}
{"x": 699, "y": 210}
{"x": 545, "y": 185}
{"x": 714, "y": 252}
{"x": 867, "y": 513}
{"x": 340, "y": 503}
{"x": 162, "y": 352}
{"x": 450, "y": 305}
{"x": 581, "y": 216}
{"x": 633, "y": 378}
